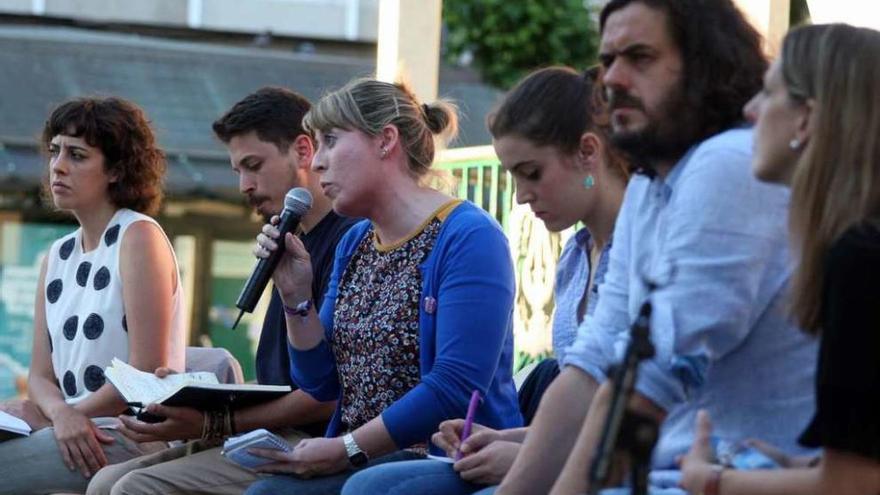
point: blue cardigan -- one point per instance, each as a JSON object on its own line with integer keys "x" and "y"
{"x": 466, "y": 343}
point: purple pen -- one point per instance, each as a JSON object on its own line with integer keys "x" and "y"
{"x": 468, "y": 421}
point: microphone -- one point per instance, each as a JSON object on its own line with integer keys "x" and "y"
{"x": 297, "y": 202}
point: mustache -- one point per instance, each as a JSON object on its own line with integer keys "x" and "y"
{"x": 621, "y": 99}
{"x": 255, "y": 200}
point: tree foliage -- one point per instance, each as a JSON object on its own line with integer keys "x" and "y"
{"x": 508, "y": 38}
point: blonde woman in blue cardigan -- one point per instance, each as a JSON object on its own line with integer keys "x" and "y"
{"x": 418, "y": 312}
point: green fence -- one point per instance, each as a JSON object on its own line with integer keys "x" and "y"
{"x": 484, "y": 182}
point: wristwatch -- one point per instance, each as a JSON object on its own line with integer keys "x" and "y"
{"x": 356, "y": 456}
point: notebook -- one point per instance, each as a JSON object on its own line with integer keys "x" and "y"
{"x": 15, "y": 426}
{"x": 236, "y": 448}
{"x": 199, "y": 390}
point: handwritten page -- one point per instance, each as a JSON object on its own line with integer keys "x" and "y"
{"x": 139, "y": 386}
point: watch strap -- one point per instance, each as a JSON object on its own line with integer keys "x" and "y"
{"x": 356, "y": 456}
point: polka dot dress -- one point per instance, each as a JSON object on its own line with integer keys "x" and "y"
{"x": 85, "y": 312}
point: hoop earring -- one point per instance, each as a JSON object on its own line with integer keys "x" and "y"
{"x": 589, "y": 181}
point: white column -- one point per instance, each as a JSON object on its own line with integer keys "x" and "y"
{"x": 352, "y": 18}
{"x": 194, "y": 12}
{"x": 770, "y": 17}
{"x": 409, "y": 44}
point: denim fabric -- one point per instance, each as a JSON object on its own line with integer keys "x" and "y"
{"x": 714, "y": 238}
{"x": 425, "y": 477}
{"x": 282, "y": 484}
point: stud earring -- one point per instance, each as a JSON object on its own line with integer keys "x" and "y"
{"x": 794, "y": 144}
{"x": 589, "y": 182}
{"x": 383, "y": 152}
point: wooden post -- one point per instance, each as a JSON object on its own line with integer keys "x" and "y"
{"x": 770, "y": 17}
{"x": 408, "y": 48}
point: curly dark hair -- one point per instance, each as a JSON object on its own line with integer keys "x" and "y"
{"x": 274, "y": 113}
{"x": 121, "y": 130}
{"x": 723, "y": 61}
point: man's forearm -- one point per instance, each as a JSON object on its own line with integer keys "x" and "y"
{"x": 552, "y": 434}
{"x": 294, "y": 409}
{"x": 574, "y": 476}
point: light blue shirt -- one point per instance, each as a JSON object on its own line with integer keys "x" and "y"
{"x": 723, "y": 339}
{"x": 572, "y": 278}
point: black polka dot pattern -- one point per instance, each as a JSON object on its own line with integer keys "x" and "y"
{"x": 82, "y": 273}
{"x": 67, "y": 248}
{"x": 112, "y": 235}
{"x": 94, "y": 378}
{"x": 93, "y": 327}
{"x": 102, "y": 278}
{"x": 70, "y": 327}
{"x": 69, "y": 384}
{"x": 124, "y": 323}
{"x": 51, "y": 347}
{"x": 53, "y": 290}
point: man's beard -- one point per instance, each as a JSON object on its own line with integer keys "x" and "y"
{"x": 256, "y": 201}
{"x": 665, "y": 138}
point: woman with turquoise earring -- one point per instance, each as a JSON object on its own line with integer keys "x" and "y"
{"x": 565, "y": 169}
{"x": 589, "y": 181}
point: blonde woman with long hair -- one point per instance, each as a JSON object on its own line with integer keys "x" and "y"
{"x": 818, "y": 130}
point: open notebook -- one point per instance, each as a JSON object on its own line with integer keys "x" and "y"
{"x": 11, "y": 424}
{"x": 199, "y": 390}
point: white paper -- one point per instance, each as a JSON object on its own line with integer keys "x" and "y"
{"x": 442, "y": 458}
{"x": 11, "y": 423}
{"x": 139, "y": 386}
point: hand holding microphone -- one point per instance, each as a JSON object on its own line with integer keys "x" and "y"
{"x": 292, "y": 273}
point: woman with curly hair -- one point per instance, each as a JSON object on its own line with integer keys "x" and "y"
{"x": 108, "y": 290}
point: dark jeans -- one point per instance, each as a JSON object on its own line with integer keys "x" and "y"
{"x": 325, "y": 485}
{"x": 534, "y": 387}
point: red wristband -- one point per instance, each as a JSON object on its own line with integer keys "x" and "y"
{"x": 713, "y": 483}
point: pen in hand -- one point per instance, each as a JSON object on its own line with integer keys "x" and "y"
{"x": 468, "y": 421}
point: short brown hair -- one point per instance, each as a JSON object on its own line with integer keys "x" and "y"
{"x": 274, "y": 113}
{"x": 120, "y": 129}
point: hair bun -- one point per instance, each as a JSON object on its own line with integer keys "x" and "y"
{"x": 440, "y": 118}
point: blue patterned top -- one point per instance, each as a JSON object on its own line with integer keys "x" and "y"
{"x": 572, "y": 278}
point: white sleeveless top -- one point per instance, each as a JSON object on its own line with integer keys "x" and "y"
{"x": 85, "y": 312}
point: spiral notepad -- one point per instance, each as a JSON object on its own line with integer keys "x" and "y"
{"x": 236, "y": 448}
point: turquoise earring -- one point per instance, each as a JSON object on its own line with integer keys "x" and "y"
{"x": 589, "y": 182}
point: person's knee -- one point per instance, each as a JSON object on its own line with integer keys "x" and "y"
{"x": 102, "y": 482}
{"x": 135, "y": 483}
{"x": 262, "y": 487}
